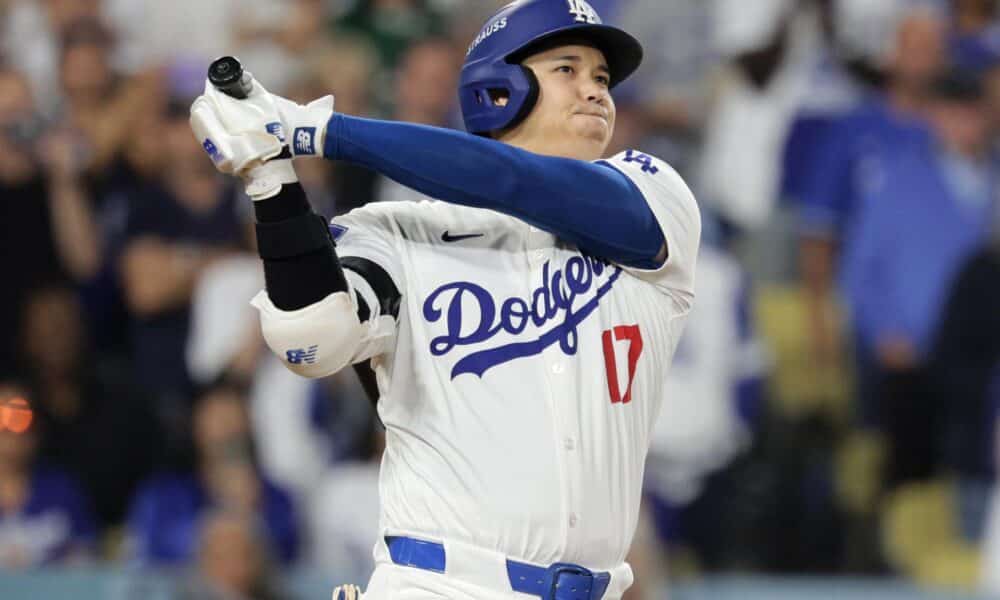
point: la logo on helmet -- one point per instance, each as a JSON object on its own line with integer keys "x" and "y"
{"x": 583, "y": 12}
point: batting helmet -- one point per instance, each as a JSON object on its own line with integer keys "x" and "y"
{"x": 491, "y": 65}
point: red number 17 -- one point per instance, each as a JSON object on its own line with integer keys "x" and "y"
{"x": 621, "y": 332}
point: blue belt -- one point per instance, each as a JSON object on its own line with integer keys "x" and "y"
{"x": 561, "y": 581}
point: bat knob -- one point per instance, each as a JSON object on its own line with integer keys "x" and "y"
{"x": 227, "y": 75}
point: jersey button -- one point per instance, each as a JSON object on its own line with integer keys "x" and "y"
{"x": 569, "y": 443}
{"x": 538, "y": 254}
{"x": 572, "y": 520}
{"x": 558, "y": 368}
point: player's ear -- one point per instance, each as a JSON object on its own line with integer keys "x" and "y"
{"x": 499, "y": 97}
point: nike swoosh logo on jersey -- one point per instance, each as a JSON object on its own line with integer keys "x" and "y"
{"x": 447, "y": 237}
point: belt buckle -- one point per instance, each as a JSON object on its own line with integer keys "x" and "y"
{"x": 566, "y": 590}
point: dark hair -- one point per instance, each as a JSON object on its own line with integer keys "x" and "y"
{"x": 86, "y": 32}
{"x": 958, "y": 85}
{"x": 177, "y": 109}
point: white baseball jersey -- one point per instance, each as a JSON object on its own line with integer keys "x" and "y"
{"x": 521, "y": 379}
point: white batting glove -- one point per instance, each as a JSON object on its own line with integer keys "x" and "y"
{"x": 347, "y": 592}
{"x": 244, "y": 137}
{"x": 302, "y": 128}
{"x": 306, "y": 125}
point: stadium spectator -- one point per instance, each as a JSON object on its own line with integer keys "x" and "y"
{"x": 751, "y": 112}
{"x": 425, "y": 84}
{"x": 974, "y": 39}
{"x": 172, "y": 232}
{"x": 92, "y": 103}
{"x": 965, "y": 365}
{"x": 930, "y": 209}
{"x": 300, "y": 426}
{"x": 233, "y": 563}
{"x": 343, "y": 512}
{"x": 838, "y": 79}
{"x": 189, "y": 34}
{"x": 137, "y": 170}
{"x": 84, "y": 154}
{"x": 43, "y": 209}
{"x": 674, "y": 84}
{"x": 94, "y": 423}
{"x": 848, "y": 162}
{"x": 44, "y": 517}
{"x": 718, "y": 376}
{"x": 710, "y": 417}
{"x": 30, "y": 40}
{"x": 392, "y": 25}
{"x": 168, "y": 510}
{"x": 225, "y": 344}
{"x": 343, "y": 67}
{"x": 26, "y": 220}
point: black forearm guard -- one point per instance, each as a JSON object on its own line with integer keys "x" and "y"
{"x": 300, "y": 261}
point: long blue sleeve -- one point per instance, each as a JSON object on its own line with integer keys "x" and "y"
{"x": 591, "y": 205}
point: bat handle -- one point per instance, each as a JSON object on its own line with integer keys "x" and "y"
{"x": 228, "y": 76}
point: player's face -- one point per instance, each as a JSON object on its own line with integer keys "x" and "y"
{"x": 574, "y": 115}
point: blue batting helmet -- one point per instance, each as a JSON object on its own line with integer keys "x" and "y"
{"x": 491, "y": 65}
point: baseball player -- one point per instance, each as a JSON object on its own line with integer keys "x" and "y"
{"x": 520, "y": 321}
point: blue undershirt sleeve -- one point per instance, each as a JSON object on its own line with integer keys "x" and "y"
{"x": 591, "y": 205}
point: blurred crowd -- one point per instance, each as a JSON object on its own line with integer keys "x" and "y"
{"x": 835, "y": 397}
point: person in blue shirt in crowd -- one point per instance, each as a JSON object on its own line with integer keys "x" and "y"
{"x": 849, "y": 149}
{"x": 847, "y": 163}
{"x": 167, "y": 513}
{"x": 929, "y": 210}
{"x": 44, "y": 517}
{"x": 974, "y": 39}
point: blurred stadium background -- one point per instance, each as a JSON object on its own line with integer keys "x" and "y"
{"x": 833, "y": 426}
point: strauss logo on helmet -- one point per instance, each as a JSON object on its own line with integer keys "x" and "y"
{"x": 487, "y": 31}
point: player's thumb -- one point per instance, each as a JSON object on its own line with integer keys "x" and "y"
{"x": 253, "y": 148}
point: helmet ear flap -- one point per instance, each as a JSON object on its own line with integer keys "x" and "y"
{"x": 483, "y": 115}
{"x": 529, "y": 101}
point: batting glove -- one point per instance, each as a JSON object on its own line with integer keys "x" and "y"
{"x": 347, "y": 592}
{"x": 306, "y": 125}
{"x": 244, "y": 138}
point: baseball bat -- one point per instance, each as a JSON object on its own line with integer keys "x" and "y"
{"x": 228, "y": 76}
